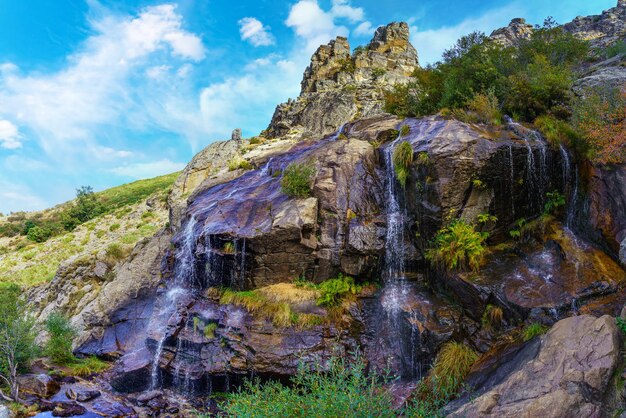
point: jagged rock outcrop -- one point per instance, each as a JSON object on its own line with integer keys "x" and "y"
{"x": 510, "y": 35}
{"x": 563, "y": 374}
{"x": 601, "y": 30}
{"x": 351, "y": 84}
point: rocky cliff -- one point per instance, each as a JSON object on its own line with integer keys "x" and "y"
{"x": 339, "y": 86}
{"x": 163, "y": 315}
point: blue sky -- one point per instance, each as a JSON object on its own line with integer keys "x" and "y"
{"x": 105, "y": 92}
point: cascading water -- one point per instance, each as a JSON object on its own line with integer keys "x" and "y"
{"x": 571, "y": 190}
{"x": 397, "y": 289}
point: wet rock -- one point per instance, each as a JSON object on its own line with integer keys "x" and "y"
{"x": 600, "y": 215}
{"x": 622, "y": 252}
{"x": 112, "y": 408}
{"x": 40, "y": 385}
{"x": 568, "y": 376}
{"x": 148, "y": 396}
{"x": 68, "y": 409}
{"x": 117, "y": 318}
{"x": 132, "y": 372}
{"x": 88, "y": 395}
{"x": 555, "y": 277}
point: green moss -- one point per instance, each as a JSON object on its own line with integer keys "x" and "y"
{"x": 533, "y": 330}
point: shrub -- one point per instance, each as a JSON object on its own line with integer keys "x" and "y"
{"x": 86, "y": 206}
{"x": 423, "y": 158}
{"x": 458, "y": 246}
{"x": 405, "y": 130}
{"x": 115, "y": 252}
{"x": 559, "y": 132}
{"x": 333, "y": 290}
{"x": 533, "y": 330}
{"x": 516, "y": 233}
{"x": 601, "y": 119}
{"x": 17, "y": 339}
{"x": 61, "y": 334}
{"x": 345, "y": 390}
{"x": 229, "y": 248}
{"x": 114, "y": 227}
{"x": 621, "y": 324}
{"x": 402, "y": 160}
{"x": 555, "y": 201}
{"x": 38, "y": 234}
{"x": 486, "y": 108}
{"x": 296, "y": 180}
{"x": 617, "y": 48}
{"x": 484, "y": 218}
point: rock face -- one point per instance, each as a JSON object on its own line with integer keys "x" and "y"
{"x": 600, "y": 212}
{"x": 568, "y": 376}
{"x": 338, "y": 86}
{"x": 116, "y": 319}
{"x": 601, "y": 30}
{"x": 551, "y": 276}
{"x": 517, "y": 30}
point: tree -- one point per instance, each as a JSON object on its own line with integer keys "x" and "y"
{"x": 86, "y": 207}
{"x": 59, "y": 345}
{"x": 17, "y": 339}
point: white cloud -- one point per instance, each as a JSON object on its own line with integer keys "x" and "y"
{"x": 364, "y": 29}
{"x": 16, "y": 197}
{"x": 147, "y": 170}
{"x": 9, "y": 135}
{"x": 316, "y": 26}
{"x": 342, "y": 8}
{"x": 253, "y": 31}
{"x": 103, "y": 87}
{"x": 431, "y": 43}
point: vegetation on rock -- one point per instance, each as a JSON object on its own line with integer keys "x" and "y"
{"x": 402, "y": 160}
{"x": 532, "y": 330}
{"x": 296, "y": 180}
{"x": 458, "y": 246}
{"x": 345, "y": 389}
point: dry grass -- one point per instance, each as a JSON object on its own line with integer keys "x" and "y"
{"x": 279, "y": 313}
{"x": 452, "y": 364}
{"x": 288, "y": 293}
{"x": 492, "y": 317}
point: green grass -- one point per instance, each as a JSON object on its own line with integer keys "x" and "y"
{"x": 533, "y": 330}
{"x": 87, "y": 366}
{"x": 131, "y": 193}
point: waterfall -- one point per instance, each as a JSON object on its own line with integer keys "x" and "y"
{"x": 339, "y": 132}
{"x": 571, "y": 190}
{"x": 512, "y": 179}
{"x": 397, "y": 290}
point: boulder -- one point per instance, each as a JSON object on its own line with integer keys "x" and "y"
{"x": 40, "y": 385}
{"x": 568, "y": 376}
{"x": 517, "y": 30}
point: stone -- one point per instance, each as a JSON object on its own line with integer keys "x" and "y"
{"x": 68, "y": 409}
{"x": 569, "y": 375}
{"x": 338, "y": 87}
{"x": 600, "y": 30}
{"x": 40, "y": 385}
{"x": 511, "y": 35}
{"x": 622, "y": 252}
{"x": 236, "y": 135}
{"x": 87, "y": 395}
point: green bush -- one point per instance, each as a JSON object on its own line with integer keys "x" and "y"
{"x": 345, "y": 390}
{"x": 39, "y": 234}
{"x": 296, "y": 180}
{"x": 555, "y": 201}
{"x": 333, "y": 290}
{"x": 458, "y": 246}
{"x": 115, "y": 252}
{"x": 402, "y": 159}
{"x": 87, "y": 366}
{"x": 59, "y": 345}
{"x": 617, "y": 48}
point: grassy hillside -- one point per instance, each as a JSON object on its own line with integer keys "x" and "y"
{"x": 128, "y": 213}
